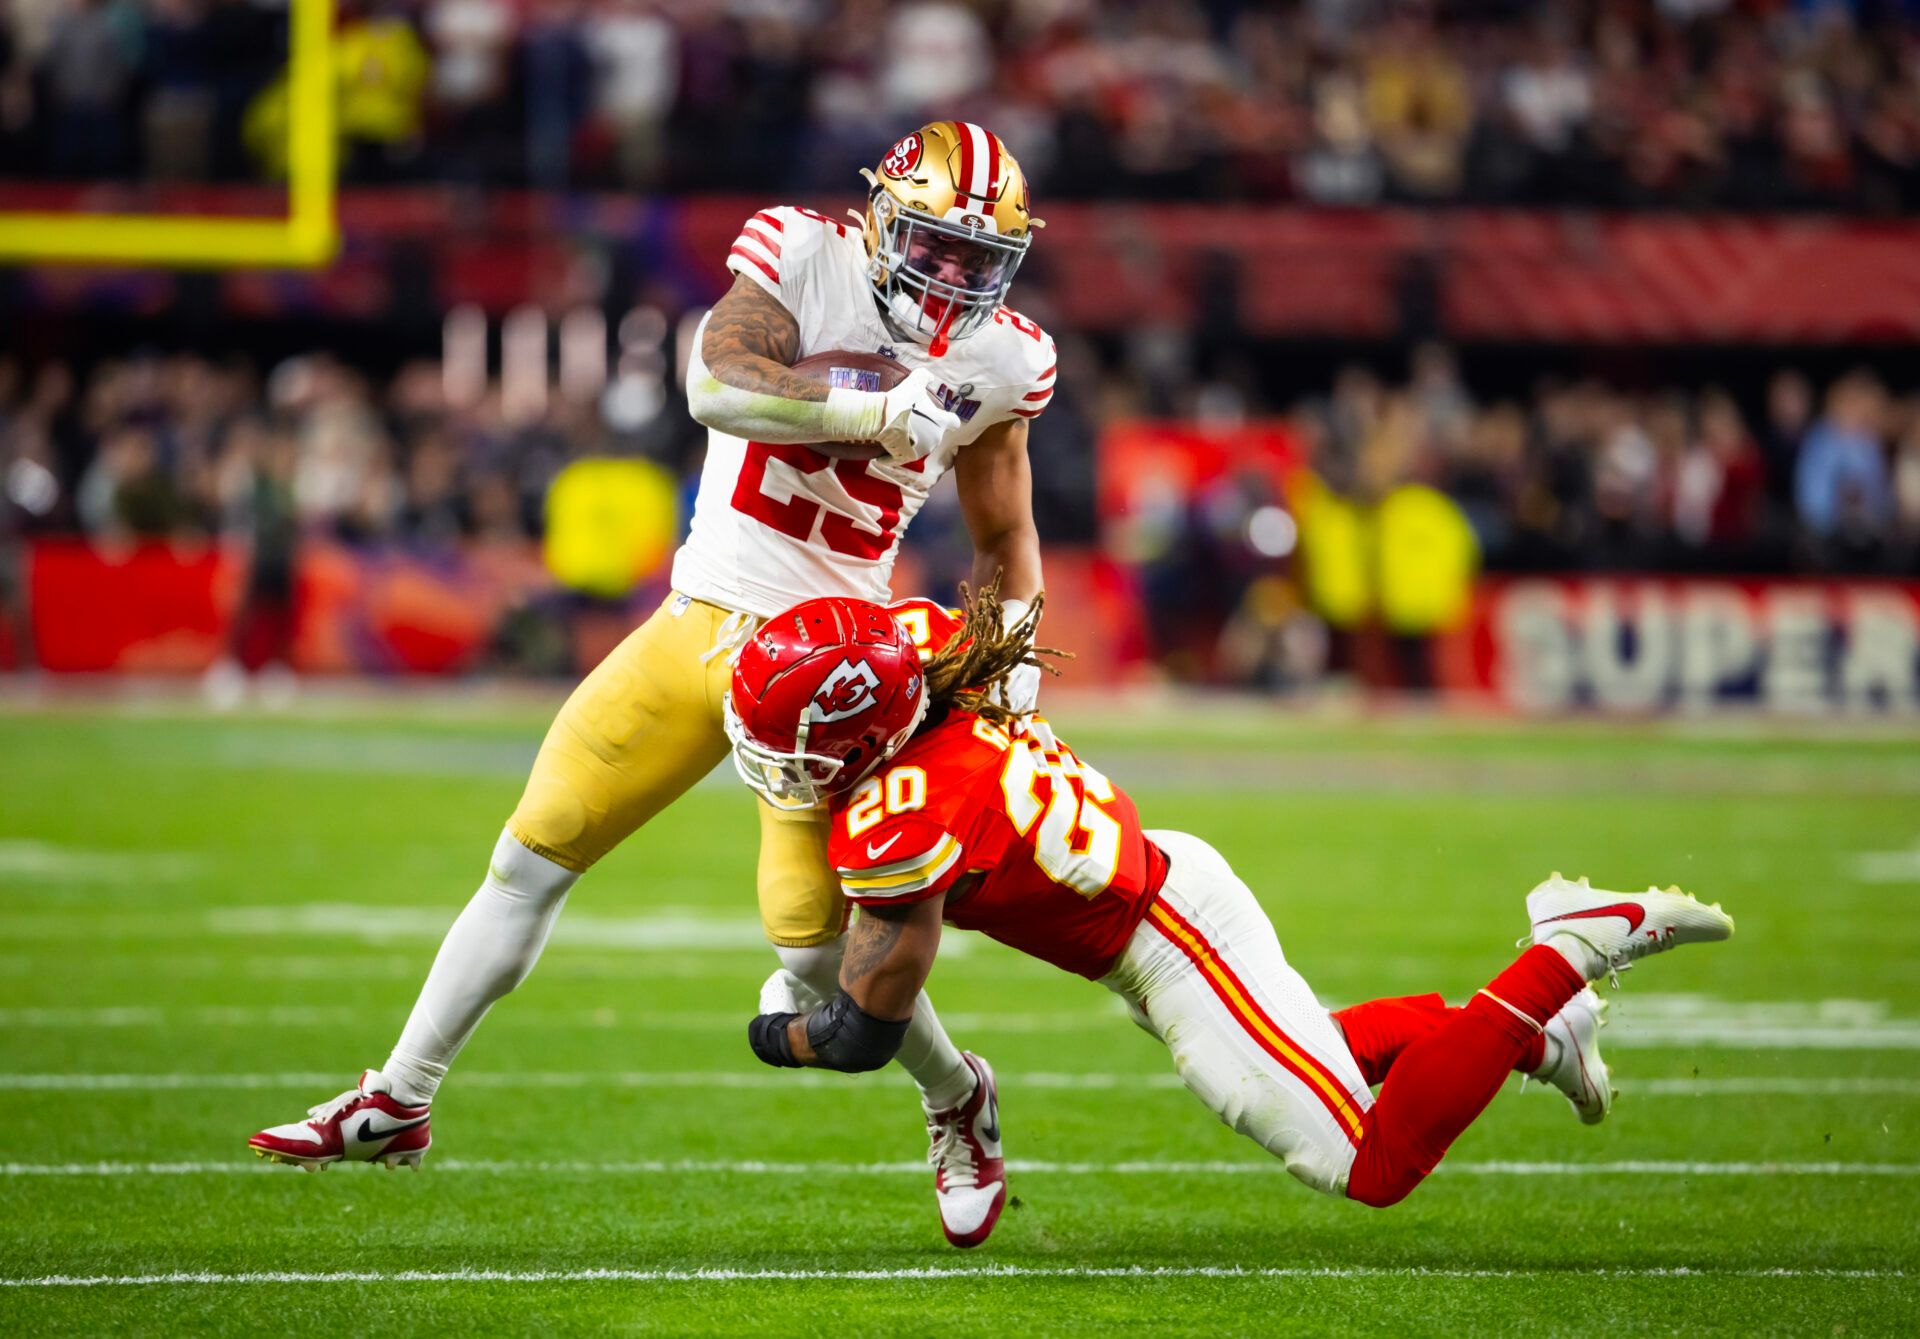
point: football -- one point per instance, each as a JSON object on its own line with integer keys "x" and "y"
{"x": 852, "y": 370}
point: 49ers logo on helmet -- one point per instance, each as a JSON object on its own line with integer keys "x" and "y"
{"x": 903, "y": 157}
{"x": 848, "y": 691}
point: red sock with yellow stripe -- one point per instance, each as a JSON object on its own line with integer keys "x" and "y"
{"x": 1439, "y": 1084}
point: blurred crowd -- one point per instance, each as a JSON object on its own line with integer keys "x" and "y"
{"x": 1584, "y": 475}
{"x": 183, "y": 447}
{"x": 1579, "y": 475}
{"x": 1681, "y": 103}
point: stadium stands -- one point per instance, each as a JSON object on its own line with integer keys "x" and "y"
{"x": 1681, "y": 103}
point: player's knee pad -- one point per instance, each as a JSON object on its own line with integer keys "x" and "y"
{"x": 848, "y": 1038}
{"x": 521, "y": 875}
{"x": 817, "y": 964}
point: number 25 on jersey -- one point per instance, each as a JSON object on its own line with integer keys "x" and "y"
{"x": 798, "y": 515}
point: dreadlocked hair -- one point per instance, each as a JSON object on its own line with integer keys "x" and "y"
{"x": 964, "y": 674}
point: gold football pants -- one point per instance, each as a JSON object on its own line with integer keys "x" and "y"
{"x": 637, "y": 732}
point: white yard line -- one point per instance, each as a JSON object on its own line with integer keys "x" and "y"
{"x": 668, "y": 928}
{"x": 1888, "y": 866}
{"x": 44, "y": 862}
{"x": 300, "y": 1015}
{"x": 1641, "y": 1022}
{"x": 243, "y": 1166}
{"x": 932, "y": 1273}
{"x": 770, "y": 1081}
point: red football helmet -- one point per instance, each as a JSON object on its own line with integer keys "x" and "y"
{"x": 821, "y": 695}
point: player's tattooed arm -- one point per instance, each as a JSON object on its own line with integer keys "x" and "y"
{"x": 740, "y": 382}
{"x": 750, "y": 342}
{"x": 890, "y": 953}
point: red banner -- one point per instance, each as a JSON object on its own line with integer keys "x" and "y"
{"x": 156, "y": 608}
{"x": 1650, "y": 644}
{"x": 159, "y": 608}
{"x": 146, "y": 608}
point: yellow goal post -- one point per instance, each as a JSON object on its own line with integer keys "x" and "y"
{"x": 306, "y": 235}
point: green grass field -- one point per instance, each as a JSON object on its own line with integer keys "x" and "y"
{"x": 207, "y": 925}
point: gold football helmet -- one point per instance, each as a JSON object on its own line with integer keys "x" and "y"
{"x": 947, "y": 223}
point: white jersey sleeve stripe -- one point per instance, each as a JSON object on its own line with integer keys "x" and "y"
{"x": 764, "y": 240}
{"x": 742, "y": 254}
{"x": 767, "y": 255}
{"x": 906, "y": 865}
{"x": 919, "y": 875}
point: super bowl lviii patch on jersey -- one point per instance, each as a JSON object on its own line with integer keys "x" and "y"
{"x": 958, "y": 402}
{"x": 853, "y": 379}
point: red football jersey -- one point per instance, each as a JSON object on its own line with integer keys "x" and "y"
{"x": 1032, "y": 846}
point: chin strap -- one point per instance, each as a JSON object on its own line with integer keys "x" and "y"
{"x": 937, "y": 346}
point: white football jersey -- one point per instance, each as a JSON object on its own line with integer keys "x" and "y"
{"x": 774, "y": 525}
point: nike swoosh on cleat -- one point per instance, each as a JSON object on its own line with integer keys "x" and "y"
{"x": 368, "y": 1135}
{"x": 992, "y": 1132}
{"x": 1631, "y": 912}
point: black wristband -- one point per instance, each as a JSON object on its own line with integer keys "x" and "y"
{"x": 767, "y": 1034}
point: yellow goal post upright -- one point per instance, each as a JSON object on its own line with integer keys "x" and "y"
{"x": 306, "y": 236}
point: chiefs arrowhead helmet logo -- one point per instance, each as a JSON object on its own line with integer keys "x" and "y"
{"x": 848, "y": 691}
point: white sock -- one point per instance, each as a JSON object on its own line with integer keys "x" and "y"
{"x": 490, "y": 949}
{"x": 1583, "y": 957}
{"x": 926, "y": 1052}
{"x": 1549, "y": 1053}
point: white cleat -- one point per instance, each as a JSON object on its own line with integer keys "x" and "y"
{"x": 970, "y": 1171}
{"x": 1574, "y": 1065}
{"x": 364, "y": 1124}
{"x": 1621, "y": 928}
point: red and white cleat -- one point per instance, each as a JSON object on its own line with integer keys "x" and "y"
{"x": 970, "y": 1175}
{"x": 363, "y": 1124}
{"x": 1620, "y": 928}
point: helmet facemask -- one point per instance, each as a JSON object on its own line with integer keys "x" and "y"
{"x": 794, "y": 779}
{"x": 939, "y": 279}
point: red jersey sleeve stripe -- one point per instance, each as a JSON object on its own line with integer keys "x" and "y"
{"x": 1028, "y": 413}
{"x": 1049, "y": 372}
{"x": 772, "y": 221}
{"x": 772, "y": 244}
{"x": 1253, "y": 1019}
{"x": 1046, "y": 394}
{"x": 756, "y": 262}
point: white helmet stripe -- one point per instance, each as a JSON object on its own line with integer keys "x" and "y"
{"x": 978, "y": 159}
{"x": 993, "y": 165}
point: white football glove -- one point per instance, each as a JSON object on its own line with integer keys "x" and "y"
{"x": 913, "y": 424}
{"x": 1020, "y": 693}
{"x": 785, "y": 993}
